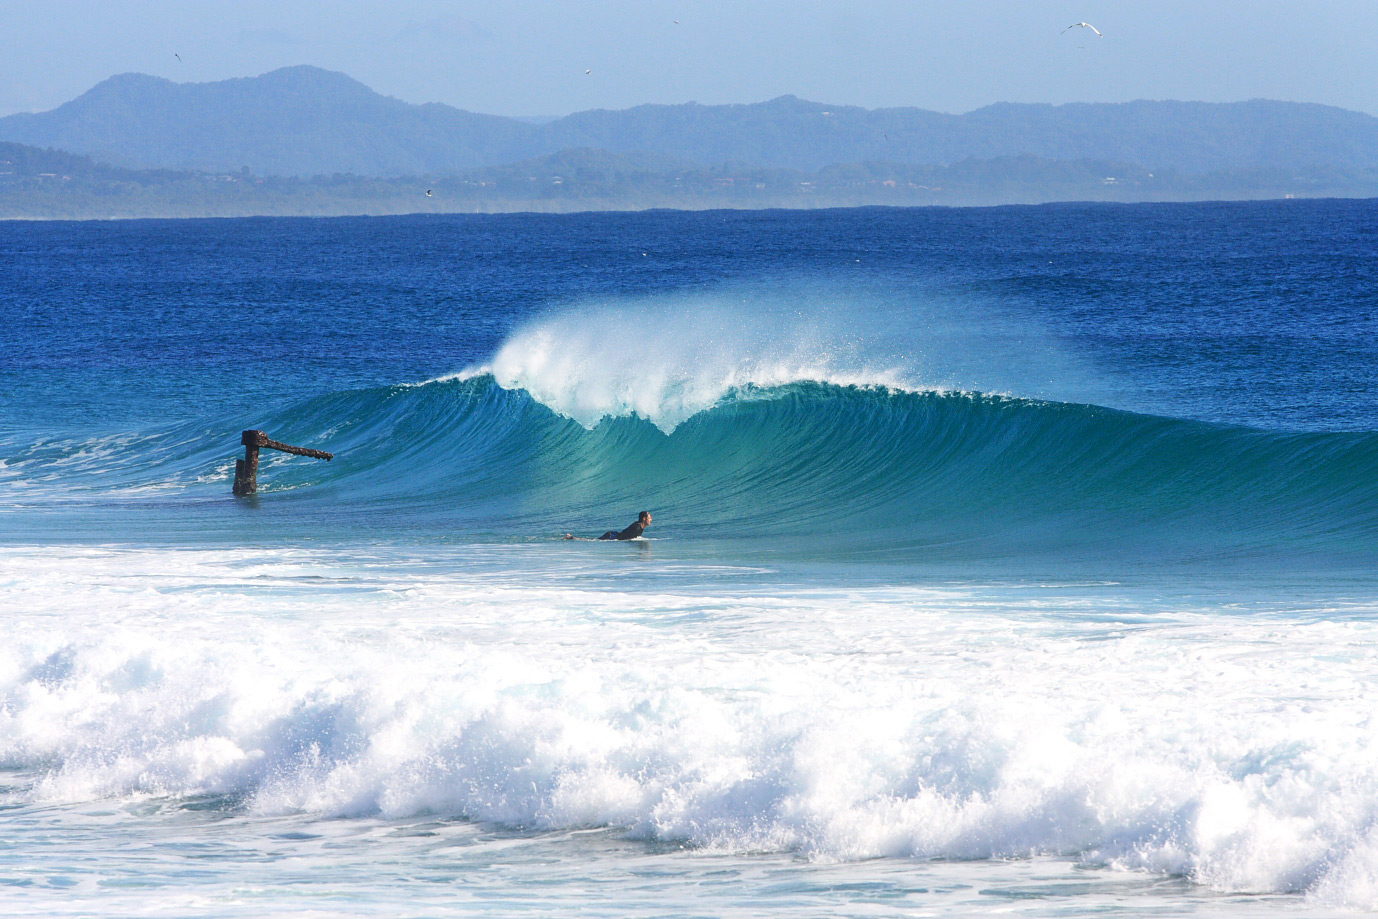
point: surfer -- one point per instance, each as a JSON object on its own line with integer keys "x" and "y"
{"x": 638, "y": 527}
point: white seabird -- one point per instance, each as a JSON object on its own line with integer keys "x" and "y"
{"x": 1082, "y": 25}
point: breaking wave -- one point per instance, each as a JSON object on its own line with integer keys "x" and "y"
{"x": 884, "y": 468}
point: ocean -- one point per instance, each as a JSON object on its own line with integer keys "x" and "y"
{"x": 1012, "y": 560}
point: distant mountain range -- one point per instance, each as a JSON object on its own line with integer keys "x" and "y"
{"x": 304, "y": 121}
{"x": 302, "y": 140}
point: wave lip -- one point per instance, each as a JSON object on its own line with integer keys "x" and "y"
{"x": 664, "y": 370}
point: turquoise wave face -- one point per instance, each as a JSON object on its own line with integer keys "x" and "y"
{"x": 804, "y": 467}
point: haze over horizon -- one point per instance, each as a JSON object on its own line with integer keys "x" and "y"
{"x": 530, "y": 60}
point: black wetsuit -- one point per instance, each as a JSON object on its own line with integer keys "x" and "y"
{"x": 631, "y": 532}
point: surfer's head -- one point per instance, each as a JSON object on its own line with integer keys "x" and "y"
{"x": 644, "y": 518}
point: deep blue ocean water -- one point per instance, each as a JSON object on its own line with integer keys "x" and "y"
{"x": 1002, "y": 558}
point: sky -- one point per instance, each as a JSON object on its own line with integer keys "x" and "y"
{"x": 509, "y": 57}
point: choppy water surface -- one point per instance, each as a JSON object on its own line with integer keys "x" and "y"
{"x": 1012, "y": 560}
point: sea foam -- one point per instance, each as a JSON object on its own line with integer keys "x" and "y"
{"x": 967, "y": 723}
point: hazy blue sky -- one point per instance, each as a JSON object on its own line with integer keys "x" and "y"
{"x": 529, "y": 58}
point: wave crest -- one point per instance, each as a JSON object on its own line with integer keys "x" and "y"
{"x": 658, "y": 367}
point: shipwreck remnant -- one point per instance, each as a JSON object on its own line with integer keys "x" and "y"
{"x": 246, "y": 470}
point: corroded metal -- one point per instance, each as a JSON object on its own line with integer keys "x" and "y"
{"x": 246, "y": 470}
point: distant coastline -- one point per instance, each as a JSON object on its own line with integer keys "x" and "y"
{"x": 307, "y": 142}
{"x": 51, "y": 185}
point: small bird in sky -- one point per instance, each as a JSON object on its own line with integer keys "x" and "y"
{"x": 588, "y": 71}
{"x": 1082, "y": 25}
{"x": 428, "y": 193}
{"x": 176, "y": 55}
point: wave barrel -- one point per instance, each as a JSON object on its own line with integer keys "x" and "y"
{"x": 246, "y": 470}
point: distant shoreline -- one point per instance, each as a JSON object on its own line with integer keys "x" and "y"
{"x": 571, "y": 212}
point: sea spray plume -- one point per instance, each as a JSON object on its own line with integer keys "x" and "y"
{"x": 666, "y": 365}
{"x": 667, "y": 357}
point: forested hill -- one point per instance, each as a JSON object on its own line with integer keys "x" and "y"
{"x": 304, "y": 121}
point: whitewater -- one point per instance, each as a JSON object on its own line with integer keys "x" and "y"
{"x": 976, "y": 584}
{"x": 961, "y": 722}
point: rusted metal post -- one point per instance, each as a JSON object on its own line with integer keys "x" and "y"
{"x": 246, "y": 470}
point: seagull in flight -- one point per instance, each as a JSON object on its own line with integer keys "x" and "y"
{"x": 588, "y": 71}
{"x": 176, "y": 55}
{"x": 1082, "y": 25}
{"x": 428, "y": 193}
